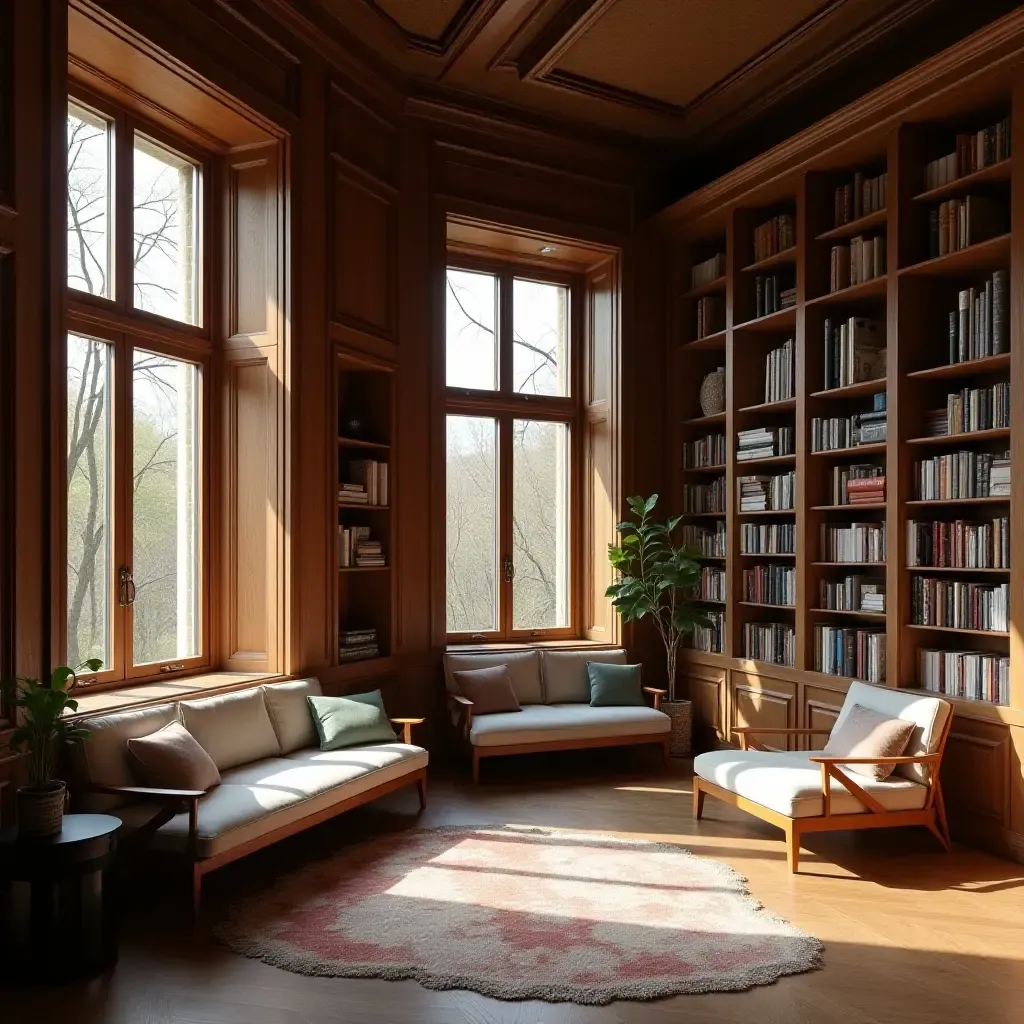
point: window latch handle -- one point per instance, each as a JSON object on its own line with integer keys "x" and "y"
{"x": 509, "y": 569}
{"x": 125, "y": 587}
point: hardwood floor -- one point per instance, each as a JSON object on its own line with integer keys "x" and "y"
{"x": 911, "y": 935}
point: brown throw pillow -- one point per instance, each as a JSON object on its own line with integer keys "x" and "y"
{"x": 866, "y": 733}
{"x": 172, "y": 758}
{"x": 490, "y": 689}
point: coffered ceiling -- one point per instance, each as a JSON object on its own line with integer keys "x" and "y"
{"x": 697, "y": 72}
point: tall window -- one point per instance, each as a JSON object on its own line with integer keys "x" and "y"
{"x": 512, "y": 412}
{"x": 134, "y": 589}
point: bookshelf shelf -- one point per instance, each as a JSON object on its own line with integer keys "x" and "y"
{"x": 996, "y": 434}
{"x": 768, "y": 512}
{"x": 944, "y": 502}
{"x": 875, "y": 288}
{"x": 968, "y": 368}
{"x": 363, "y": 508}
{"x": 854, "y": 227}
{"x": 987, "y": 175}
{"x": 709, "y": 343}
{"x": 709, "y": 558}
{"x": 704, "y": 515}
{"x": 780, "y": 259}
{"x": 760, "y": 604}
{"x": 772, "y": 460}
{"x": 993, "y": 254}
{"x": 955, "y": 568}
{"x": 858, "y": 449}
{"x": 710, "y": 288}
{"x": 849, "y": 612}
{"x": 715, "y": 419}
{"x": 783, "y": 320}
{"x": 767, "y": 554}
{"x": 868, "y": 505}
{"x": 703, "y": 469}
{"x": 707, "y": 600}
{"x": 782, "y": 405}
{"x": 862, "y": 387}
{"x": 863, "y": 565}
{"x": 956, "y": 629}
{"x": 355, "y": 442}
{"x": 364, "y": 568}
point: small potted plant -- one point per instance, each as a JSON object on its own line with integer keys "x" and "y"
{"x": 654, "y": 579}
{"x": 41, "y": 731}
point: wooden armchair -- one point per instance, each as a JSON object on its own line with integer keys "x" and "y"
{"x": 806, "y": 791}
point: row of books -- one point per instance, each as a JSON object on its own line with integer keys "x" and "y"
{"x": 707, "y": 542}
{"x": 767, "y": 493}
{"x": 765, "y": 443}
{"x": 712, "y": 584}
{"x": 971, "y": 409}
{"x": 966, "y": 674}
{"x": 779, "y": 371}
{"x": 963, "y": 474}
{"x": 770, "y": 584}
{"x": 774, "y": 236}
{"x": 980, "y": 326}
{"x": 974, "y": 151}
{"x": 860, "y": 197}
{"x": 355, "y": 548}
{"x": 957, "y": 605}
{"x": 773, "y": 642}
{"x": 770, "y": 295}
{"x": 855, "y": 542}
{"x": 368, "y": 484}
{"x": 861, "y": 259}
{"x": 959, "y": 544}
{"x": 854, "y": 351}
{"x": 699, "y": 498}
{"x": 710, "y": 316}
{"x": 358, "y": 645}
{"x": 859, "y": 653}
{"x": 767, "y": 538}
{"x": 834, "y": 433}
{"x": 862, "y": 483}
{"x": 707, "y": 270}
{"x": 958, "y": 223}
{"x": 705, "y": 452}
{"x": 710, "y": 636}
{"x": 852, "y": 594}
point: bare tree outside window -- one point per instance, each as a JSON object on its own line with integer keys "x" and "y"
{"x": 90, "y": 263}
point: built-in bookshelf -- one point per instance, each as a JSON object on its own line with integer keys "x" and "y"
{"x": 363, "y": 591}
{"x": 854, "y": 498}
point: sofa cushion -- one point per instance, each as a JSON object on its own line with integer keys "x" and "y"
{"x": 564, "y": 673}
{"x": 615, "y": 686}
{"x": 490, "y": 689}
{"x": 171, "y": 758}
{"x": 233, "y": 728}
{"x": 523, "y": 669}
{"x": 789, "y": 783}
{"x": 103, "y": 757}
{"x": 866, "y": 733}
{"x": 289, "y": 713}
{"x": 258, "y": 798}
{"x": 929, "y": 715}
{"x": 551, "y": 723}
{"x": 349, "y": 721}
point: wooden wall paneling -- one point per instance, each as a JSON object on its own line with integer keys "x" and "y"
{"x": 762, "y": 700}
{"x": 975, "y": 776}
{"x": 706, "y": 686}
{"x": 819, "y": 709}
{"x": 6, "y": 104}
{"x": 1017, "y": 402}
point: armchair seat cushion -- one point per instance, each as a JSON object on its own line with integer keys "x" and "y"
{"x": 554, "y": 723}
{"x": 266, "y": 795}
{"x": 789, "y": 783}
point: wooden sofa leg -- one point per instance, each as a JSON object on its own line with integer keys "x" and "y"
{"x": 476, "y": 767}
{"x": 793, "y": 849}
{"x": 665, "y": 750}
{"x": 421, "y": 788}
{"x": 197, "y": 890}
{"x": 698, "y": 799}
{"x": 940, "y": 816}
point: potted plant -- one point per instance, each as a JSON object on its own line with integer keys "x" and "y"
{"x": 654, "y": 579}
{"x": 42, "y": 730}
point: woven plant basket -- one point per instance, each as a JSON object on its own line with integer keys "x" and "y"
{"x": 680, "y": 712}
{"x": 40, "y": 811}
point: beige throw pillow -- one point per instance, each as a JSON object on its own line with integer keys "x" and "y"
{"x": 866, "y": 733}
{"x": 172, "y": 758}
{"x": 490, "y": 689}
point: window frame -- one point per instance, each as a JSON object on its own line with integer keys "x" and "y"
{"x": 505, "y": 405}
{"x": 116, "y": 322}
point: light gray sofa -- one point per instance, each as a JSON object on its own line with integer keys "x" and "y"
{"x": 275, "y": 779}
{"x": 554, "y": 691}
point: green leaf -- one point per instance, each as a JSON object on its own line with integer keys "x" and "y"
{"x": 650, "y": 503}
{"x": 673, "y": 523}
{"x": 61, "y": 676}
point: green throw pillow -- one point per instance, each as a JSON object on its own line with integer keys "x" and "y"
{"x": 350, "y": 720}
{"x": 614, "y": 686}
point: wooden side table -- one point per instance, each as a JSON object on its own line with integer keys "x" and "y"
{"x": 53, "y": 901}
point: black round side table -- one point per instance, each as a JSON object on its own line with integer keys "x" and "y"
{"x": 57, "y": 919}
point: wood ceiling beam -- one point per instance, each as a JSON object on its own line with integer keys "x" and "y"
{"x": 569, "y": 23}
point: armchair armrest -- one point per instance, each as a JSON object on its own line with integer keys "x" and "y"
{"x": 656, "y": 695}
{"x": 832, "y": 766}
{"x": 407, "y": 724}
{"x": 745, "y": 731}
{"x": 146, "y": 791}
{"x": 174, "y": 800}
{"x": 918, "y": 759}
{"x": 466, "y": 713}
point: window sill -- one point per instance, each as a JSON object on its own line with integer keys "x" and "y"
{"x": 526, "y": 645}
{"x": 165, "y": 690}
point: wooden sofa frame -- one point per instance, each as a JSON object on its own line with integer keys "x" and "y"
{"x": 173, "y": 802}
{"x": 465, "y": 708}
{"x": 932, "y": 816}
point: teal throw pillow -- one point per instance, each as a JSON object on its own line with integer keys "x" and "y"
{"x": 614, "y": 686}
{"x": 350, "y": 720}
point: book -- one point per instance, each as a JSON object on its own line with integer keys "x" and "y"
{"x": 708, "y": 270}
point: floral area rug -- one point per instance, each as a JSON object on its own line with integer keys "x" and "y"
{"x": 517, "y": 913}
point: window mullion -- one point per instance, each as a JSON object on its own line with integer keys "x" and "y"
{"x": 505, "y": 545}
{"x": 122, "y": 499}
{"x": 123, "y": 237}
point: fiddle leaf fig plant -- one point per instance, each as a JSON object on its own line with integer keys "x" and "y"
{"x": 655, "y": 579}
{"x": 43, "y": 724}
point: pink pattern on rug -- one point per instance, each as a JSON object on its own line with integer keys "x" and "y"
{"x": 522, "y": 914}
